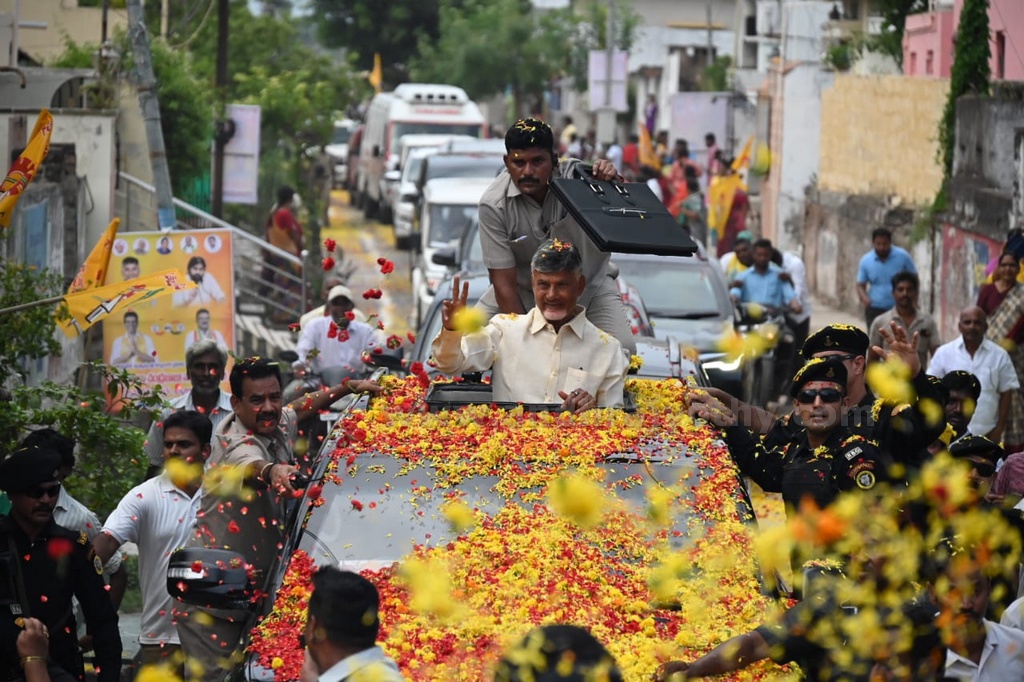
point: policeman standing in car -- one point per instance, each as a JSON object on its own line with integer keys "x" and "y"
{"x": 824, "y": 458}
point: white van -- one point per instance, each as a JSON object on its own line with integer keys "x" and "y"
{"x": 449, "y": 206}
{"x": 411, "y": 109}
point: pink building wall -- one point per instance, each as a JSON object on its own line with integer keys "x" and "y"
{"x": 932, "y": 32}
{"x": 928, "y": 44}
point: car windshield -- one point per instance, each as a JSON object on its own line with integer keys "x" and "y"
{"x": 341, "y": 135}
{"x": 448, "y": 221}
{"x": 401, "y": 129}
{"x": 673, "y": 288}
{"x": 463, "y": 167}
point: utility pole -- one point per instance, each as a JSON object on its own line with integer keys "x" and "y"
{"x": 606, "y": 114}
{"x": 711, "y": 44}
{"x": 150, "y": 105}
{"x": 220, "y": 137}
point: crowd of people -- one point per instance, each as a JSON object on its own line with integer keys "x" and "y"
{"x": 222, "y": 467}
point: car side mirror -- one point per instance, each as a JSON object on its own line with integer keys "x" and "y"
{"x": 445, "y": 256}
{"x": 288, "y": 356}
{"x": 388, "y": 360}
{"x": 214, "y": 578}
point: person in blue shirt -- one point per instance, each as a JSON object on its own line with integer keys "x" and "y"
{"x": 874, "y": 276}
{"x": 762, "y": 283}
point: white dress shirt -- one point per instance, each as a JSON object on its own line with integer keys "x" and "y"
{"x": 792, "y": 264}
{"x": 71, "y": 514}
{"x": 208, "y": 291}
{"x": 155, "y": 437}
{"x": 532, "y": 362}
{"x": 332, "y": 352}
{"x": 157, "y": 516}
{"x": 1002, "y": 658}
{"x": 140, "y": 342}
{"x": 371, "y": 664}
{"x": 994, "y": 369}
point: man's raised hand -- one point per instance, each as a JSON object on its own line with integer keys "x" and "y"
{"x": 900, "y": 347}
{"x": 450, "y": 306}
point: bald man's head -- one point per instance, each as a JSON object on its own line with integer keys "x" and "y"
{"x": 973, "y": 325}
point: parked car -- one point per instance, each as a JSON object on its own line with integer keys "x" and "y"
{"x": 407, "y": 198}
{"x": 484, "y": 145}
{"x": 463, "y": 497}
{"x": 688, "y": 299}
{"x": 448, "y": 208}
{"x": 338, "y": 150}
{"x": 391, "y": 180}
{"x": 352, "y": 167}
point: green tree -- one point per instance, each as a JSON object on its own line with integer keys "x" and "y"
{"x": 970, "y": 73}
{"x": 894, "y": 18}
{"x": 26, "y": 335}
{"x": 390, "y": 28}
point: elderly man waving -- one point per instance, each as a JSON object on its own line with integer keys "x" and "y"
{"x": 551, "y": 352}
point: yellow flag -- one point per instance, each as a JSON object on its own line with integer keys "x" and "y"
{"x": 648, "y": 157}
{"x": 25, "y": 166}
{"x": 743, "y": 158}
{"x": 88, "y": 307}
{"x": 376, "y": 76}
{"x": 721, "y": 193}
{"x": 93, "y": 272}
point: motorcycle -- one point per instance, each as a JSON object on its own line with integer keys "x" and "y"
{"x": 767, "y": 375}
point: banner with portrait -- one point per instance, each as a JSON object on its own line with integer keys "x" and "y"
{"x": 150, "y": 339}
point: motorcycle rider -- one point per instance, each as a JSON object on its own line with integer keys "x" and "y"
{"x": 338, "y": 340}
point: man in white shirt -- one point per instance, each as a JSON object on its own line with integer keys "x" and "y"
{"x": 549, "y": 354}
{"x": 972, "y": 352}
{"x": 614, "y": 155}
{"x": 207, "y": 290}
{"x": 205, "y": 363}
{"x": 981, "y": 650}
{"x": 158, "y": 516}
{"x": 341, "y": 631}
{"x": 337, "y": 340}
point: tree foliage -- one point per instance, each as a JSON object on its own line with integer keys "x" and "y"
{"x": 26, "y": 335}
{"x": 970, "y": 73}
{"x": 488, "y": 46}
{"x": 364, "y": 27}
{"x": 894, "y": 18}
{"x": 110, "y": 451}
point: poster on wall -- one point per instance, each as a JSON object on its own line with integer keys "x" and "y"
{"x": 150, "y": 339}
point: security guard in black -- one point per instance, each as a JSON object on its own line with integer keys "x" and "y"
{"x": 41, "y": 566}
{"x": 823, "y": 458}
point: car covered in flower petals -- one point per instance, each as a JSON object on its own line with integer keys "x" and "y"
{"x": 478, "y": 521}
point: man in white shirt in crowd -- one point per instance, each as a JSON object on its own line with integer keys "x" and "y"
{"x": 552, "y": 352}
{"x": 158, "y": 516}
{"x": 341, "y": 631}
{"x": 204, "y": 363}
{"x": 794, "y": 270}
{"x": 972, "y": 352}
{"x": 338, "y": 340}
{"x": 980, "y": 650}
{"x": 740, "y": 258}
{"x": 207, "y": 289}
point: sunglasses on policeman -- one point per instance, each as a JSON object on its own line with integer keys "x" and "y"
{"x": 827, "y": 395}
{"x": 51, "y": 490}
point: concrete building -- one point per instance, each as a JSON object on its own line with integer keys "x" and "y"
{"x": 928, "y": 39}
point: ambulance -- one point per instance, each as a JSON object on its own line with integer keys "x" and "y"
{"x": 411, "y": 109}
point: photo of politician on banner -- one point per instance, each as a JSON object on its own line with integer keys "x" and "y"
{"x": 150, "y": 339}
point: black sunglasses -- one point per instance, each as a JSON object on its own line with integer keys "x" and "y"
{"x": 827, "y": 395}
{"x": 40, "y": 491}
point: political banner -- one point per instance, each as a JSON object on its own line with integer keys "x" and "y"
{"x": 150, "y": 339}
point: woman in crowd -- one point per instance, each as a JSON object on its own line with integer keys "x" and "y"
{"x": 1003, "y": 302}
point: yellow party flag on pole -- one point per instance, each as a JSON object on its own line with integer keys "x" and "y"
{"x": 86, "y": 308}
{"x": 25, "y": 167}
{"x": 742, "y": 159}
{"x": 376, "y": 76}
{"x": 93, "y": 272}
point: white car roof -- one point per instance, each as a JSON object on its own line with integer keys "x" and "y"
{"x": 428, "y": 140}
{"x": 455, "y": 191}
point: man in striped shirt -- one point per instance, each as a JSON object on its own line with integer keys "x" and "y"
{"x": 158, "y": 516}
